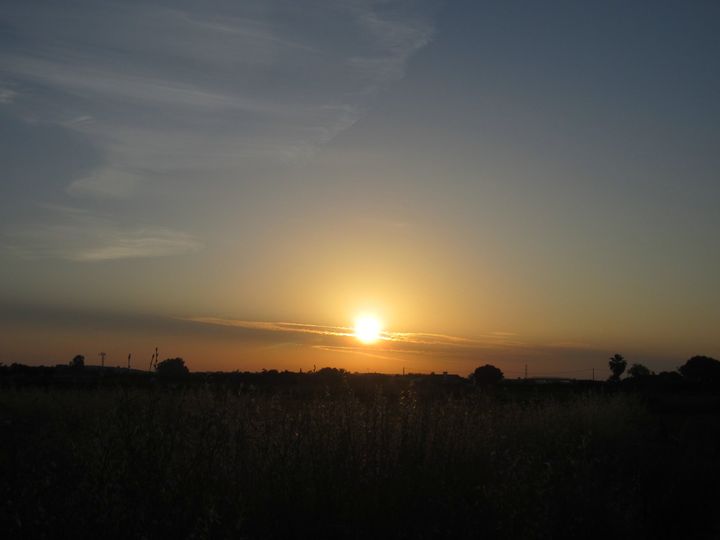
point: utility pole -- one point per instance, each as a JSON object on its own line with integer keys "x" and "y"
{"x": 129, "y": 355}
{"x": 525, "y": 370}
{"x": 593, "y": 374}
{"x": 403, "y": 371}
{"x": 102, "y": 359}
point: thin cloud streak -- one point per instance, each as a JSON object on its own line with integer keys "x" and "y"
{"x": 143, "y": 243}
{"x": 7, "y": 96}
{"x": 82, "y": 236}
{"x": 107, "y": 184}
{"x": 107, "y": 83}
{"x": 167, "y": 95}
{"x": 412, "y": 347}
{"x": 389, "y": 341}
{"x": 300, "y": 328}
{"x": 356, "y": 351}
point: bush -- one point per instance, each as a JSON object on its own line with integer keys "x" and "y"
{"x": 701, "y": 369}
{"x": 486, "y": 375}
{"x": 638, "y": 371}
{"x": 172, "y": 367}
{"x": 78, "y": 362}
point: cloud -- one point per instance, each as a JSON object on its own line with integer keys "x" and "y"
{"x": 282, "y": 327}
{"x": 7, "y": 96}
{"x": 503, "y": 349}
{"x": 170, "y": 94}
{"x": 399, "y": 37}
{"x": 93, "y": 80}
{"x": 413, "y": 342}
{"x": 107, "y": 183}
{"x": 249, "y": 72}
{"x": 140, "y": 243}
{"x": 79, "y": 235}
{"x": 452, "y": 353}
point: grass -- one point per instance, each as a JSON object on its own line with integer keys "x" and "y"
{"x": 209, "y": 463}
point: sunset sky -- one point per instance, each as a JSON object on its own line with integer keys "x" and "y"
{"x": 235, "y": 182}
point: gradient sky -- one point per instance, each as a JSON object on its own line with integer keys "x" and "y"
{"x": 504, "y": 182}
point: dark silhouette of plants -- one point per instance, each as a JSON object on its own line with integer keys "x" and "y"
{"x": 329, "y": 374}
{"x": 486, "y": 375}
{"x": 172, "y": 367}
{"x": 78, "y": 362}
{"x": 701, "y": 369}
{"x": 617, "y": 365}
{"x": 638, "y": 371}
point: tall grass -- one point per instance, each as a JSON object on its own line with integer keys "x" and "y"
{"x": 199, "y": 463}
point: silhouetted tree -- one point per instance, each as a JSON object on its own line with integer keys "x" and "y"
{"x": 78, "y": 362}
{"x": 330, "y": 372}
{"x": 617, "y": 365}
{"x": 485, "y": 375}
{"x": 669, "y": 378}
{"x": 701, "y": 369}
{"x": 172, "y": 367}
{"x": 638, "y": 371}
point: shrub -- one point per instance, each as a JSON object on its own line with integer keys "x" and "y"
{"x": 486, "y": 375}
{"x": 172, "y": 367}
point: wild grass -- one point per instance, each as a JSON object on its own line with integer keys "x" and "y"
{"x": 203, "y": 463}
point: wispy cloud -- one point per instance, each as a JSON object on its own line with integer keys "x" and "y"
{"x": 505, "y": 349}
{"x": 229, "y": 72}
{"x": 107, "y": 183}
{"x": 7, "y": 96}
{"x": 169, "y": 94}
{"x": 93, "y": 80}
{"x": 300, "y": 328}
{"x": 82, "y": 236}
{"x": 140, "y": 243}
{"x": 407, "y": 341}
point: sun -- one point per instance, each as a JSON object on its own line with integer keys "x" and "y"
{"x": 367, "y": 329}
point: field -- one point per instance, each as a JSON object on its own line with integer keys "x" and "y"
{"x": 210, "y": 461}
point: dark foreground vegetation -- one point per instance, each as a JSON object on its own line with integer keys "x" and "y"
{"x": 334, "y": 455}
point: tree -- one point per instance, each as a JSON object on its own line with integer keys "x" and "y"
{"x": 486, "y": 375}
{"x": 330, "y": 373}
{"x": 638, "y": 371}
{"x": 78, "y": 362}
{"x": 617, "y": 365}
{"x": 172, "y": 367}
{"x": 701, "y": 369}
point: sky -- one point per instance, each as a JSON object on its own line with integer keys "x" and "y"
{"x": 504, "y": 182}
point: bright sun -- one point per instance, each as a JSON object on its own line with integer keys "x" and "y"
{"x": 367, "y": 329}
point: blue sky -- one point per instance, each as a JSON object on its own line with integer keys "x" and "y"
{"x": 547, "y": 171}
